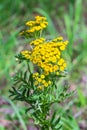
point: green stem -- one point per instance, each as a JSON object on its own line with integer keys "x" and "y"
{"x": 40, "y": 33}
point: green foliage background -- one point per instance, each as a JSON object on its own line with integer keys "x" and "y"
{"x": 66, "y": 18}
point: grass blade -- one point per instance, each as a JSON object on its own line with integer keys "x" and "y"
{"x": 17, "y": 112}
{"x": 52, "y": 30}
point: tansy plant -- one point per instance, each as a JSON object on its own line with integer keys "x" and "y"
{"x": 37, "y": 83}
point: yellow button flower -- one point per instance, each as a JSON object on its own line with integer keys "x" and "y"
{"x": 42, "y": 76}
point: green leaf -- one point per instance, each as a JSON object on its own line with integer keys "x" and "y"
{"x": 25, "y": 75}
{"x": 58, "y": 128}
{"x": 53, "y": 117}
{"x": 57, "y": 121}
{"x": 28, "y": 92}
{"x": 13, "y": 91}
{"x": 24, "y": 91}
{"x": 56, "y": 124}
{"x": 31, "y": 79}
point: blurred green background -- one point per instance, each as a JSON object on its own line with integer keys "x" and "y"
{"x": 67, "y": 18}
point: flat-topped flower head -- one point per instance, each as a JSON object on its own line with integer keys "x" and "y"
{"x": 34, "y": 26}
{"x": 46, "y": 55}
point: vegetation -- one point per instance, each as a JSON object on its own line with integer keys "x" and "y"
{"x": 64, "y": 18}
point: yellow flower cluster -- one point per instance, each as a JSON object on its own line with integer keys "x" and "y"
{"x": 46, "y": 55}
{"x": 37, "y": 41}
{"x": 38, "y": 24}
{"x": 41, "y": 81}
{"x": 26, "y": 54}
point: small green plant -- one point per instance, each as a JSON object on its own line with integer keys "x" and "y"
{"x": 36, "y": 82}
